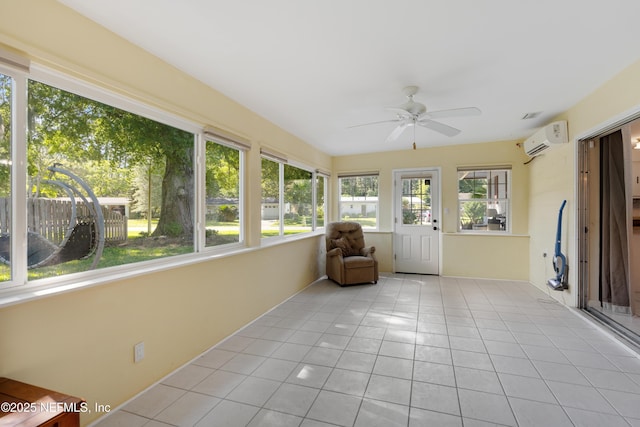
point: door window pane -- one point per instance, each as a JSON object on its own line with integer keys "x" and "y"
{"x": 416, "y": 201}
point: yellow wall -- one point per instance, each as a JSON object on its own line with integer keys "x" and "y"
{"x": 81, "y": 342}
{"x": 553, "y": 176}
{"x": 383, "y": 242}
{"x": 463, "y": 255}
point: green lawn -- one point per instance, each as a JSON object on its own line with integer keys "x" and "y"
{"x": 112, "y": 256}
{"x": 365, "y": 222}
{"x": 137, "y": 249}
{"x": 138, "y": 227}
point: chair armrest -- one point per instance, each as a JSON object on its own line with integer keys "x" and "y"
{"x": 334, "y": 252}
{"x": 368, "y": 250}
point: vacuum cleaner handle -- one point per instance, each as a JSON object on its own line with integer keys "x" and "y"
{"x": 559, "y": 230}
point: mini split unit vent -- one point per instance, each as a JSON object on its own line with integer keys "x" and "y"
{"x": 550, "y": 135}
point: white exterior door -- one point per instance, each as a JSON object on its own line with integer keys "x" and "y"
{"x": 417, "y": 222}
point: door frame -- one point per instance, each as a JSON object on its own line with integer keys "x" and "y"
{"x": 582, "y": 192}
{"x": 437, "y": 170}
{"x": 583, "y": 215}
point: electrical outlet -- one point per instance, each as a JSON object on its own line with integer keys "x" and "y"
{"x": 138, "y": 352}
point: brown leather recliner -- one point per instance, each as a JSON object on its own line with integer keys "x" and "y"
{"x": 349, "y": 262}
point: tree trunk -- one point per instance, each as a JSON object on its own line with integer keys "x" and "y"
{"x": 177, "y": 210}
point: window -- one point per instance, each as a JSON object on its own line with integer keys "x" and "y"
{"x": 105, "y": 182}
{"x": 287, "y": 198}
{"x": 104, "y": 186}
{"x": 484, "y": 198}
{"x": 359, "y": 199}
{"x": 321, "y": 197}
{"x": 223, "y": 190}
{"x": 6, "y": 86}
{"x": 88, "y": 160}
{"x": 298, "y": 194}
{"x": 270, "y": 206}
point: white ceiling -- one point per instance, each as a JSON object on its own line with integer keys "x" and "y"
{"x": 315, "y": 67}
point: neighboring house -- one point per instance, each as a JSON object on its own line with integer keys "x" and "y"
{"x": 215, "y": 203}
{"x": 358, "y": 206}
{"x": 116, "y": 204}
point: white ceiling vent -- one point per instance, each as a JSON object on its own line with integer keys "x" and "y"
{"x": 531, "y": 115}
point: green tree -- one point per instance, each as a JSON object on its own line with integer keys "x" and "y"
{"x": 5, "y": 135}
{"x": 297, "y": 189}
{"x": 222, "y": 171}
{"x": 270, "y": 179}
{"x": 475, "y": 186}
{"x": 147, "y": 189}
{"x": 473, "y": 212}
{"x": 103, "y": 178}
{"x": 67, "y": 128}
{"x": 360, "y": 186}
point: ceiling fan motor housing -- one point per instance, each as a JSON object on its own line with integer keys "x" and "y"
{"x": 412, "y": 107}
{"x": 412, "y": 114}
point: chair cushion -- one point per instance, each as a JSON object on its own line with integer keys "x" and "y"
{"x": 352, "y": 231}
{"x": 358, "y": 262}
{"x": 345, "y": 247}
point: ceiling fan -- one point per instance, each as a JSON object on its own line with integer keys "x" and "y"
{"x": 413, "y": 113}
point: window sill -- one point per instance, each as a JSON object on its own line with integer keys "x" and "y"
{"x": 265, "y": 242}
{"x": 17, "y": 294}
{"x": 484, "y": 233}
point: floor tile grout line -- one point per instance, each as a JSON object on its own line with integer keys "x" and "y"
{"x": 455, "y": 380}
{"x": 500, "y": 381}
{"x": 379, "y": 300}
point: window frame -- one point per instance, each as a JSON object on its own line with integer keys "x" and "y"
{"x": 281, "y": 160}
{"x": 19, "y": 288}
{"x": 325, "y": 176}
{"x": 18, "y": 150}
{"x": 280, "y": 164}
{"x": 19, "y": 282}
{"x": 342, "y": 176}
{"x": 506, "y": 200}
{"x": 209, "y": 135}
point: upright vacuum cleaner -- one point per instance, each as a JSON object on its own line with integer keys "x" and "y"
{"x": 559, "y": 283}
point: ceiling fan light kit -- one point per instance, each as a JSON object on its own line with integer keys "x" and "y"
{"x": 413, "y": 113}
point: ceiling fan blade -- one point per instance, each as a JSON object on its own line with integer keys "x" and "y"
{"x": 374, "y": 123}
{"x": 401, "y": 112}
{"x": 439, "y": 127}
{"x": 397, "y": 132}
{"x": 454, "y": 112}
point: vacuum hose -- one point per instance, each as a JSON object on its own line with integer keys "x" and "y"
{"x": 559, "y": 282}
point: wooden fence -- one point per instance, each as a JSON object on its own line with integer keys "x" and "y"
{"x": 50, "y": 218}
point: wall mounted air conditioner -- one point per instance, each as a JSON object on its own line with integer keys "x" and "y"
{"x": 546, "y": 137}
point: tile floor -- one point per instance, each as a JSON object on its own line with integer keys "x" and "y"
{"x": 409, "y": 351}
